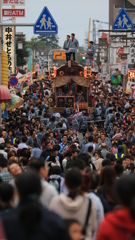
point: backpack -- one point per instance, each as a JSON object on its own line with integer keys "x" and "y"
{"x": 55, "y": 182}
{"x": 75, "y": 124}
{"x": 84, "y": 126}
{"x": 68, "y": 112}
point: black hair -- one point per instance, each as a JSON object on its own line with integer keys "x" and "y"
{"x": 90, "y": 138}
{"x": 29, "y": 188}
{"x": 3, "y": 161}
{"x": 99, "y": 153}
{"x": 2, "y": 146}
{"x": 56, "y": 148}
{"x": 125, "y": 191}
{"x": 74, "y": 150}
{"x": 35, "y": 144}
{"x": 73, "y": 181}
{"x": 110, "y": 157}
{"x": 52, "y": 158}
{"x": 52, "y": 119}
{"x": 84, "y": 157}
{"x": 24, "y": 161}
{"x": 68, "y": 36}
{"x": 24, "y": 139}
{"x": 31, "y": 132}
{"x": 90, "y": 148}
{"x": 6, "y": 194}
{"x": 55, "y": 170}
{"x": 118, "y": 169}
{"x": 106, "y": 162}
{"x": 128, "y": 156}
{"x": 37, "y": 163}
{"x": 68, "y": 154}
{"x": 46, "y": 143}
{"x": 69, "y": 222}
{"x": 26, "y": 153}
{"x": 94, "y": 180}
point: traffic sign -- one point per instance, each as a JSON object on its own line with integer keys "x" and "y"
{"x": 45, "y": 24}
{"x": 121, "y": 52}
{"x": 16, "y": 70}
{"x": 59, "y": 55}
{"x": 13, "y": 2}
{"x": 13, "y": 81}
{"x": 123, "y": 21}
{"x": 13, "y": 12}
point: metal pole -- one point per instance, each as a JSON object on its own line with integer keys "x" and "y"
{"x": 124, "y": 3}
{"x": 89, "y": 31}
{"x": 0, "y": 56}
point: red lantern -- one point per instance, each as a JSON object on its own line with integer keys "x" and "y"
{"x": 81, "y": 74}
{"x": 61, "y": 73}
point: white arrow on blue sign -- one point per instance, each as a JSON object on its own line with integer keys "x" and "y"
{"x": 123, "y": 21}
{"x": 45, "y": 24}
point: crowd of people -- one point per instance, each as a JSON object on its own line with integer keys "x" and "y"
{"x": 68, "y": 175}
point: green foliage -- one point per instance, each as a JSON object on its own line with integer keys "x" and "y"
{"x": 22, "y": 54}
{"x": 44, "y": 42}
{"x": 49, "y": 40}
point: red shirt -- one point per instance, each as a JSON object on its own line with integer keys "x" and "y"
{"x": 117, "y": 225}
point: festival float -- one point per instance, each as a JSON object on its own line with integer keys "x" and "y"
{"x": 70, "y": 76}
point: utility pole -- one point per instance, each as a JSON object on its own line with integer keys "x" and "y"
{"x": 89, "y": 31}
{"x": 124, "y": 3}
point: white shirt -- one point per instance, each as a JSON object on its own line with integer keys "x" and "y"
{"x": 4, "y": 153}
{"x": 22, "y": 145}
{"x": 99, "y": 208}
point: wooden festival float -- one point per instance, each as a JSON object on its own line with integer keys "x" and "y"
{"x": 80, "y": 77}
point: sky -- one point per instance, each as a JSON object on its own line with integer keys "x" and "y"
{"x": 70, "y": 16}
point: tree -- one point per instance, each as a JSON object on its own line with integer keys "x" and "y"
{"x": 51, "y": 41}
{"x": 33, "y": 43}
{"x": 22, "y": 54}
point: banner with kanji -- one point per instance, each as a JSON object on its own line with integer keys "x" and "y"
{"x": 9, "y": 47}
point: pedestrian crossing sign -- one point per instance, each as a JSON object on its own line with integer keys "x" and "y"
{"x": 123, "y": 21}
{"x": 45, "y": 24}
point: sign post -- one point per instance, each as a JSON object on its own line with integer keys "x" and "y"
{"x": 45, "y": 24}
{"x": 13, "y": 2}
{"x": 123, "y": 21}
{"x": 13, "y": 12}
{"x": 59, "y": 55}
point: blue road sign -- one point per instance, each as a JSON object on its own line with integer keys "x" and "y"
{"x": 13, "y": 81}
{"x": 45, "y": 23}
{"x": 123, "y": 21}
